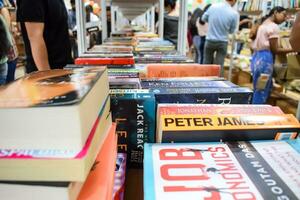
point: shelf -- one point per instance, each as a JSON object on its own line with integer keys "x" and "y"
{"x": 254, "y": 13}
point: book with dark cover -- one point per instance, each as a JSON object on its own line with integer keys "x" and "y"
{"x": 121, "y": 72}
{"x": 203, "y": 95}
{"x": 226, "y": 171}
{"x": 201, "y": 83}
{"x": 134, "y": 113}
{"x": 124, "y": 83}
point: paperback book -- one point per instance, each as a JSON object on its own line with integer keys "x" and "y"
{"x": 214, "y": 128}
{"x": 203, "y": 95}
{"x": 238, "y": 170}
{"x": 134, "y": 113}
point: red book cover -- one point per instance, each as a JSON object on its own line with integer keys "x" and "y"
{"x": 99, "y": 183}
{"x": 105, "y": 61}
{"x": 181, "y": 70}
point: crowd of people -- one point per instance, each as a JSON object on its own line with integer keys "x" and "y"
{"x": 222, "y": 20}
{"x": 46, "y": 29}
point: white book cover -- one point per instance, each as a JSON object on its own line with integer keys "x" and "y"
{"x": 206, "y": 171}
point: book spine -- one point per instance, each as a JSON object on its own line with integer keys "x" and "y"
{"x": 212, "y": 98}
{"x": 187, "y": 84}
{"x": 227, "y": 135}
{"x": 135, "y": 118}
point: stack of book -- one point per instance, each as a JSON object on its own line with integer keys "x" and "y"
{"x": 54, "y": 123}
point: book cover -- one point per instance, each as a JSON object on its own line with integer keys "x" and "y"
{"x": 50, "y": 88}
{"x": 120, "y": 175}
{"x": 134, "y": 113}
{"x": 213, "y": 128}
{"x": 181, "y": 70}
{"x": 100, "y": 181}
{"x": 201, "y": 83}
{"x": 203, "y": 95}
{"x": 239, "y": 170}
{"x": 217, "y": 109}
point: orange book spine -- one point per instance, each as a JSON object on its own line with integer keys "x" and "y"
{"x": 99, "y": 183}
{"x": 104, "y": 61}
{"x": 181, "y": 70}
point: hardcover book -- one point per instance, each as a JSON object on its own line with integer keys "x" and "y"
{"x": 214, "y": 128}
{"x": 227, "y": 171}
{"x": 203, "y": 95}
{"x": 134, "y": 113}
{"x": 43, "y": 106}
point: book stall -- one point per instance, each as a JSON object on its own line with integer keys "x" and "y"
{"x": 135, "y": 118}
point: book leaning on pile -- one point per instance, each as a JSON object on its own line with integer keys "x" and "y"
{"x": 213, "y": 123}
{"x": 236, "y": 170}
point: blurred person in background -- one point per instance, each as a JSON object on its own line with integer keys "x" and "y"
{"x": 245, "y": 23}
{"x": 171, "y": 22}
{"x": 222, "y": 20}
{"x": 202, "y": 28}
{"x": 13, "y": 51}
{"x": 5, "y": 45}
{"x": 265, "y": 48}
{"x": 195, "y": 33}
{"x": 44, "y": 26}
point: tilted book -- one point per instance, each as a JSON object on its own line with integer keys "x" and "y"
{"x": 227, "y": 171}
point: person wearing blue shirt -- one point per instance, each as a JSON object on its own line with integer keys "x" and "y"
{"x": 222, "y": 20}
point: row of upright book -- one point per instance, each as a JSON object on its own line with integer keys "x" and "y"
{"x": 73, "y": 133}
{"x": 262, "y": 5}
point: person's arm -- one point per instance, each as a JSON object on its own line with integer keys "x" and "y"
{"x": 5, "y": 13}
{"x": 233, "y": 25}
{"x": 205, "y": 17}
{"x": 35, "y": 33}
{"x": 295, "y": 35}
{"x": 276, "y": 49}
